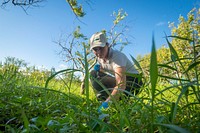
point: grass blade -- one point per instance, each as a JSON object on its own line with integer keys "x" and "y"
{"x": 174, "y": 55}
{"x": 136, "y": 63}
{"x": 181, "y": 38}
{"x": 153, "y": 69}
{"x": 61, "y": 71}
{"x": 86, "y": 78}
{"x": 167, "y": 66}
{"x": 172, "y": 78}
{"x": 192, "y": 66}
{"x": 25, "y": 120}
{"x": 173, "y": 127}
{"x": 176, "y": 104}
{"x": 153, "y": 79}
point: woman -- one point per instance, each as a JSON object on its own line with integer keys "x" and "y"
{"x": 115, "y": 63}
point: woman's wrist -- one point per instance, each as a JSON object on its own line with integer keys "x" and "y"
{"x": 108, "y": 99}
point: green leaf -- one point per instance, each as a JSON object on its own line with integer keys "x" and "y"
{"x": 181, "y": 38}
{"x": 167, "y": 66}
{"x": 168, "y": 77}
{"x": 183, "y": 91}
{"x": 172, "y": 112}
{"x": 173, "y": 127}
{"x": 25, "y": 120}
{"x": 192, "y": 66}
{"x": 153, "y": 79}
{"x": 52, "y": 123}
{"x": 153, "y": 69}
{"x": 174, "y": 55}
{"x": 61, "y": 71}
{"x": 77, "y": 9}
{"x": 86, "y": 78}
{"x": 79, "y": 54}
{"x": 136, "y": 62}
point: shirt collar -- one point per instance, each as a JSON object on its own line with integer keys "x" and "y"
{"x": 110, "y": 54}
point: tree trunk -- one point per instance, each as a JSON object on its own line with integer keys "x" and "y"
{"x": 82, "y": 88}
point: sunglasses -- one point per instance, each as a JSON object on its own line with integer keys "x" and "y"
{"x": 98, "y": 49}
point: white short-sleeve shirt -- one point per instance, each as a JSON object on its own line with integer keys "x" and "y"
{"x": 117, "y": 59}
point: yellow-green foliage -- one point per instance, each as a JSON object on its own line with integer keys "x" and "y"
{"x": 169, "y": 102}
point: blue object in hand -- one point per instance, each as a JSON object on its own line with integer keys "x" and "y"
{"x": 104, "y": 105}
{"x": 97, "y": 67}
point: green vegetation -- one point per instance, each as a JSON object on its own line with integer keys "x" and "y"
{"x": 33, "y": 100}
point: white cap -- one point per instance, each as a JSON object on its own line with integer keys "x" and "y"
{"x": 98, "y": 40}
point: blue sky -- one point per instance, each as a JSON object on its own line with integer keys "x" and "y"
{"x": 30, "y": 37}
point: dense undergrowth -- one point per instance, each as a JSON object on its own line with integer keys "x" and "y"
{"x": 34, "y": 100}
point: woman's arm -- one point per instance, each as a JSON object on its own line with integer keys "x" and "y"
{"x": 120, "y": 81}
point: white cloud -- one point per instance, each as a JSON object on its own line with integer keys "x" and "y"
{"x": 41, "y": 67}
{"x": 161, "y": 23}
{"x": 61, "y": 67}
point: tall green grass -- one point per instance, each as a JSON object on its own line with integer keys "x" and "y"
{"x": 52, "y": 102}
{"x": 153, "y": 80}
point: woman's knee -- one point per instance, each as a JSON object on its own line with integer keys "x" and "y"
{"x": 93, "y": 73}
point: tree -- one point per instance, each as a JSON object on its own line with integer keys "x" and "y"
{"x": 22, "y": 2}
{"x": 26, "y": 4}
{"x": 185, "y": 40}
{"x": 188, "y": 28}
{"x": 72, "y": 50}
{"x": 77, "y": 41}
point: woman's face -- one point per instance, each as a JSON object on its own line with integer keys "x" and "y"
{"x": 100, "y": 52}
